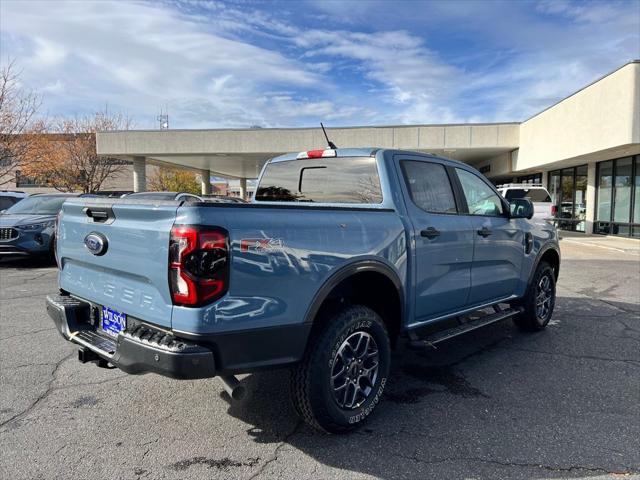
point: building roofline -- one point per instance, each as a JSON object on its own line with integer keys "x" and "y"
{"x": 630, "y": 62}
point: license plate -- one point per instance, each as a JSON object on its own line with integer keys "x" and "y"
{"x": 112, "y": 322}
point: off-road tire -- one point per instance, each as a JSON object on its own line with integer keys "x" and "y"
{"x": 530, "y": 319}
{"x": 312, "y": 389}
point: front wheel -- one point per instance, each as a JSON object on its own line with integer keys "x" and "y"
{"x": 539, "y": 300}
{"x": 340, "y": 380}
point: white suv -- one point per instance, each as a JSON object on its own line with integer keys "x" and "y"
{"x": 543, "y": 206}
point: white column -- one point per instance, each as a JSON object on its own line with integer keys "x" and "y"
{"x": 205, "y": 179}
{"x": 139, "y": 174}
{"x": 591, "y": 198}
{"x": 545, "y": 180}
{"x": 243, "y": 188}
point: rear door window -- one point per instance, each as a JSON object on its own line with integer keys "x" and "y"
{"x": 323, "y": 180}
{"x": 429, "y": 186}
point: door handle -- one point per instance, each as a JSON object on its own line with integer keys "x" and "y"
{"x": 430, "y": 233}
{"x": 485, "y": 232}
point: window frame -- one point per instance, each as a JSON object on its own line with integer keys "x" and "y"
{"x": 446, "y": 168}
{"x": 503, "y": 202}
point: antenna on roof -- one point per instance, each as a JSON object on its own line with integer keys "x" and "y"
{"x": 329, "y": 142}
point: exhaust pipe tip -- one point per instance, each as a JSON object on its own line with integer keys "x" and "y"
{"x": 233, "y": 387}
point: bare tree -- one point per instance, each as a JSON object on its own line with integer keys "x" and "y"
{"x": 18, "y": 108}
{"x": 66, "y": 159}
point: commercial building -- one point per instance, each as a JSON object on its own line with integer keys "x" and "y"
{"x": 585, "y": 149}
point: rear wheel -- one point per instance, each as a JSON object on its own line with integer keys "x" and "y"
{"x": 341, "y": 378}
{"x": 539, "y": 301}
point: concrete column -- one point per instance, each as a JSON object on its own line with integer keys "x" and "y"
{"x": 243, "y": 188}
{"x": 545, "y": 180}
{"x": 139, "y": 174}
{"x": 205, "y": 182}
{"x": 591, "y": 198}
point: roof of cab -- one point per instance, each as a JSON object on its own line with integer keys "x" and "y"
{"x": 367, "y": 152}
{"x": 340, "y": 152}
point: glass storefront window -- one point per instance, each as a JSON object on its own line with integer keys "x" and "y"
{"x": 605, "y": 176}
{"x": 636, "y": 196}
{"x": 618, "y": 203}
{"x": 568, "y": 190}
{"x": 580, "y": 201}
{"x": 622, "y": 196}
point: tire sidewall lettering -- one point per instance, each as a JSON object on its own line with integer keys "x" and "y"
{"x": 371, "y": 404}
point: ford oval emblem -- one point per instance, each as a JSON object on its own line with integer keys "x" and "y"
{"x": 96, "y": 243}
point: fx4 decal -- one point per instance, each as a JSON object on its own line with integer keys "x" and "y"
{"x": 261, "y": 244}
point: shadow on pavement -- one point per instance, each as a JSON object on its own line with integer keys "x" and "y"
{"x": 497, "y": 403}
{"x": 28, "y": 262}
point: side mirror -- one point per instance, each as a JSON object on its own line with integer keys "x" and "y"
{"x": 521, "y": 208}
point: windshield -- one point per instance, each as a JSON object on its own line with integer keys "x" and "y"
{"x": 533, "y": 194}
{"x": 40, "y": 205}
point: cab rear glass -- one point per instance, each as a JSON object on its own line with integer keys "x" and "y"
{"x": 322, "y": 180}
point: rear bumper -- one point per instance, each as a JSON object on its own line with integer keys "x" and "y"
{"x": 143, "y": 349}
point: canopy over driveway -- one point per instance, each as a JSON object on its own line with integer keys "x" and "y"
{"x": 240, "y": 154}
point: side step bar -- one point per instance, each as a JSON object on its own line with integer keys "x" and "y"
{"x": 432, "y": 339}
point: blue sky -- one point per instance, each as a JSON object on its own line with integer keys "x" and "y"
{"x": 238, "y": 64}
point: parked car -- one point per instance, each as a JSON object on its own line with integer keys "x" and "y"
{"x": 8, "y": 198}
{"x": 340, "y": 255}
{"x": 28, "y": 227}
{"x": 544, "y": 209}
{"x": 179, "y": 196}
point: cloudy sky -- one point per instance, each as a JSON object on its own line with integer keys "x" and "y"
{"x": 238, "y": 64}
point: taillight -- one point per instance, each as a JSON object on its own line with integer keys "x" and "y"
{"x": 198, "y": 264}
{"x": 554, "y": 210}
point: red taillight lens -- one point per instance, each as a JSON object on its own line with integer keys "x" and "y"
{"x": 198, "y": 264}
{"x": 554, "y": 210}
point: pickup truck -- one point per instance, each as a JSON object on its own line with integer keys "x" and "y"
{"x": 341, "y": 254}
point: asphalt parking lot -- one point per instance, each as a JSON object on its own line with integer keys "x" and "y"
{"x": 564, "y": 403}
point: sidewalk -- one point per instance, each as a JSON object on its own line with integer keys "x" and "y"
{"x": 620, "y": 244}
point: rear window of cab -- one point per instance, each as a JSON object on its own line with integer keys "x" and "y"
{"x": 322, "y": 180}
{"x": 533, "y": 194}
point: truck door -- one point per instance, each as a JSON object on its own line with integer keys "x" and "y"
{"x": 498, "y": 243}
{"x": 442, "y": 239}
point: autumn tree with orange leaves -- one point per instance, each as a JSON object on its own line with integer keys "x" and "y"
{"x": 65, "y": 158}
{"x": 167, "y": 179}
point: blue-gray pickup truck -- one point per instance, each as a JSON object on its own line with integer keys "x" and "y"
{"x": 341, "y": 254}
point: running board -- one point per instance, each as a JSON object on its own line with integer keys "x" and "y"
{"x": 431, "y": 339}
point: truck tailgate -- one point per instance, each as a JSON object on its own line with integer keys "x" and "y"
{"x": 130, "y": 275}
